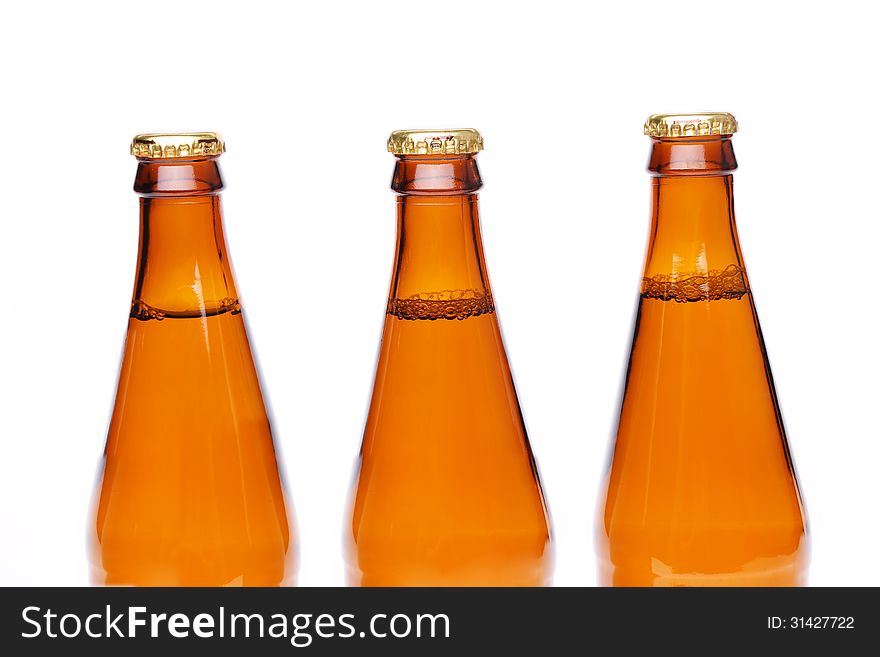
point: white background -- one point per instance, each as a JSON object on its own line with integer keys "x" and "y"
{"x": 305, "y": 95}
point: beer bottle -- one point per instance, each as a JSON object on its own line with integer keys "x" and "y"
{"x": 701, "y": 489}
{"x": 447, "y": 491}
{"x": 190, "y": 493}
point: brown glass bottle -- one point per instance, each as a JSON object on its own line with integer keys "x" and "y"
{"x": 701, "y": 489}
{"x": 447, "y": 492}
{"x": 190, "y": 493}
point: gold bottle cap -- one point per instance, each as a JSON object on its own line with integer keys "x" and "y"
{"x": 690, "y": 125}
{"x": 435, "y": 142}
{"x": 177, "y": 146}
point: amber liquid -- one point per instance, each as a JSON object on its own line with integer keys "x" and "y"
{"x": 190, "y": 493}
{"x": 447, "y": 492}
{"x": 702, "y": 489}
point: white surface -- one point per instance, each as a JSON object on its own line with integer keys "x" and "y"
{"x": 560, "y": 92}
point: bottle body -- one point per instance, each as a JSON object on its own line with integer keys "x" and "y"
{"x": 190, "y": 493}
{"x": 701, "y": 488}
{"x": 447, "y": 492}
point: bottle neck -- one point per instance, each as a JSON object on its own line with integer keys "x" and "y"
{"x": 183, "y": 268}
{"x": 439, "y": 268}
{"x": 693, "y": 251}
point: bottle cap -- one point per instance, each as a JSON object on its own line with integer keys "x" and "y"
{"x": 177, "y": 146}
{"x": 690, "y": 125}
{"x": 435, "y": 142}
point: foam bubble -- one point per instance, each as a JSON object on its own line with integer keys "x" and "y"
{"x": 727, "y": 283}
{"x": 445, "y": 304}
